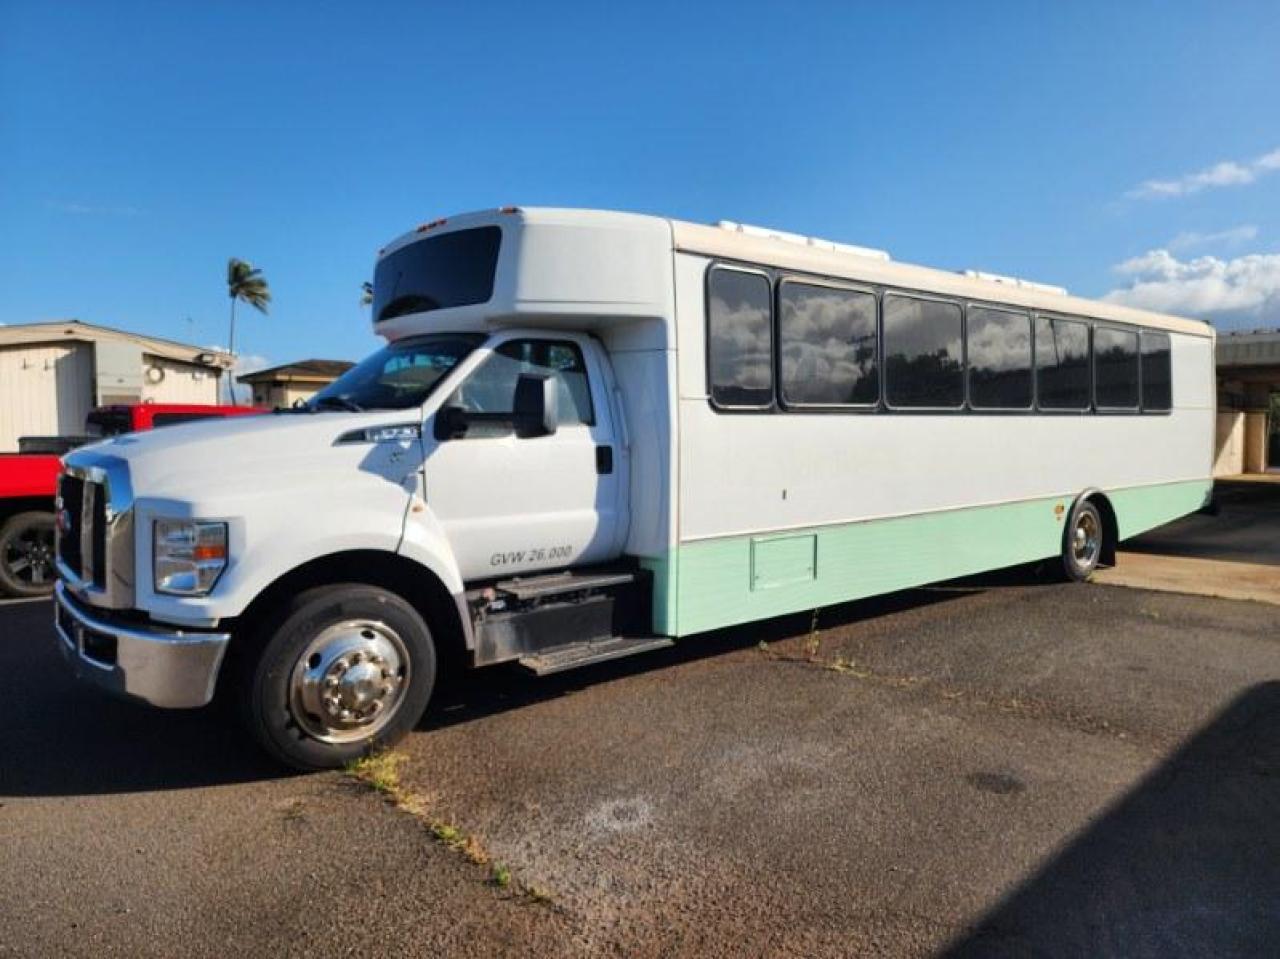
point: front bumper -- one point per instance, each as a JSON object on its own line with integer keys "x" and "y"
{"x": 171, "y": 668}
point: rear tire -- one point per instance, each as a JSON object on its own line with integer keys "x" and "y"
{"x": 1083, "y": 542}
{"x": 347, "y": 671}
{"x": 27, "y": 554}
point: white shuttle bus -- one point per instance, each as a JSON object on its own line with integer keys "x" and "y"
{"x": 590, "y": 434}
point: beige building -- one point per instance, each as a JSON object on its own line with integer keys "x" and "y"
{"x": 281, "y": 386}
{"x": 1248, "y": 438}
{"x": 52, "y": 374}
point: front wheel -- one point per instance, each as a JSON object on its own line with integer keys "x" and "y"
{"x": 26, "y": 554}
{"x": 349, "y": 670}
{"x": 1082, "y": 542}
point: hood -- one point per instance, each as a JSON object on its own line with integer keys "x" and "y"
{"x": 197, "y": 460}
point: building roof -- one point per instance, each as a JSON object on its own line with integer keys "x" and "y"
{"x": 62, "y": 330}
{"x": 313, "y": 371}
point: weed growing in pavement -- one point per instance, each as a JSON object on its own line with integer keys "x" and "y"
{"x": 500, "y": 876}
{"x": 381, "y": 772}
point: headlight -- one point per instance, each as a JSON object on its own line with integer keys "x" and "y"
{"x": 189, "y": 556}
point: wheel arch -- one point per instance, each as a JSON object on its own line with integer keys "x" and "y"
{"x": 12, "y": 506}
{"x": 410, "y": 580}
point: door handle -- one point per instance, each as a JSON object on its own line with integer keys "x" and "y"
{"x": 604, "y": 460}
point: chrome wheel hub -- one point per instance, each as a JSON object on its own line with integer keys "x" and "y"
{"x": 349, "y": 681}
{"x": 1086, "y": 541}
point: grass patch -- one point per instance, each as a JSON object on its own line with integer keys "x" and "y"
{"x": 381, "y": 772}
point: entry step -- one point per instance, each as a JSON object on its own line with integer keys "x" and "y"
{"x": 559, "y": 658}
{"x": 537, "y": 587}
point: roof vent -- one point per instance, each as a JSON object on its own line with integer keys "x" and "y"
{"x": 800, "y": 240}
{"x": 1015, "y": 281}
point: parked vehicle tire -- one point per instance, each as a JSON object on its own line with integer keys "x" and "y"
{"x": 27, "y": 554}
{"x": 1082, "y": 542}
{"x": 349, "y": 670}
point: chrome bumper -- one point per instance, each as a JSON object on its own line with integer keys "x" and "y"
{"x": 169, "y": 668}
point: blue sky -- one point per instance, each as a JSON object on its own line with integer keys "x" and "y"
{"x": 1107, "y": 147}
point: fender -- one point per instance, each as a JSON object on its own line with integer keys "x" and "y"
{"x": 424, "y": 542}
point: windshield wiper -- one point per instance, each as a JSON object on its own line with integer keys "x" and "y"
{"x": 341, "y": 402}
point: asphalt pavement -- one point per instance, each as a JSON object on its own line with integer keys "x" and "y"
{"x": 994, "y": 767}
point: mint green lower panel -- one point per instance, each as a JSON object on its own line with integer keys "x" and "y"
{"x": 718, "y": 584}
{"x": 722, "y": 582}
{"x": 1146, "y": 507}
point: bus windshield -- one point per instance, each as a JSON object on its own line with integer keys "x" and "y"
{"x": 399, "y": 376}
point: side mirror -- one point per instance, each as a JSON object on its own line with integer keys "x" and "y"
{"x": 451, "y": 423}
{"x": 535, "y": 409}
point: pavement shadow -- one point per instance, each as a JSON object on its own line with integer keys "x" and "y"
{"x": 63, "y": 738}
{"x": 1186, "y": 864}
{"x": 68, "y": 739}
{"x": 1244, "y": 528}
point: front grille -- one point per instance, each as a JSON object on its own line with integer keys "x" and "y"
{"x": 98, "y": 538}
{"x": 71, "y": 494}
{"x": 95, "y": 530}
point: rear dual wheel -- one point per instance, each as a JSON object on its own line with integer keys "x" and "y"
{"x": 348, "y": 670}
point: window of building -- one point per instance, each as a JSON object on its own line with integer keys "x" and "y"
{"x": 739, "y": 339}
{"x": 492, "y": 387}
{"x": 827, "y": 341}
{"x": 1115, "y": 368}
{"x": 1062, "y": 364}
{"x": 999, "y": 350}
{"x": 1157, "y": 372}
{"x": 924, "y": 365}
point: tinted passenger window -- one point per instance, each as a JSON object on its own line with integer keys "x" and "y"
{"x": 1062, "y": 364}
{"x": 922, "y": 358}
{"x": 452, "y": 269}
{"x": 827, "y": 338}
{"x": 999, "y": 359}
{"x": 739, "y": 339}
{"x": 1115, "y": 368}
{"x": 492, "y": 387}
{"x": 1157, "y": 373}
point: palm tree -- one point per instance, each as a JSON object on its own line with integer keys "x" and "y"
{"x": 366, "y": 293}
{"x": 244, "y": 282}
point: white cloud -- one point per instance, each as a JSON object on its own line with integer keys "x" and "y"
{"x": 250, "y": 363}
{"x": 1226, "y": 173}
{"x": 1245, "y": 289}
{"x": 1190, "y": 239}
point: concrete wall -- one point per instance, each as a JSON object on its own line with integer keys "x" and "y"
{"x": 45, "y": 390}
{"x": 1229, "y": 443}
{"x": 1255, "y": 442}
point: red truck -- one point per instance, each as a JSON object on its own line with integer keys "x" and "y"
{"x": 28, "y": 479}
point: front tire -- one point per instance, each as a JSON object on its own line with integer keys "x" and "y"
{"x": 27, "y": 554}
{"x": 349, "y": 670}
{"x": 1082, "y": 542}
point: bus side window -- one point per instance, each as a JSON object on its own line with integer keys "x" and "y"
{"x": 999, "y": 345}
{"x": 1062, "y": 364}
{"x": 739, "y": 339}
{"x": 923, "y": 358}
{"x": 1115, "y": 368}
{"x": 827, "y": 346}
{"x": 1157, "y": 372}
